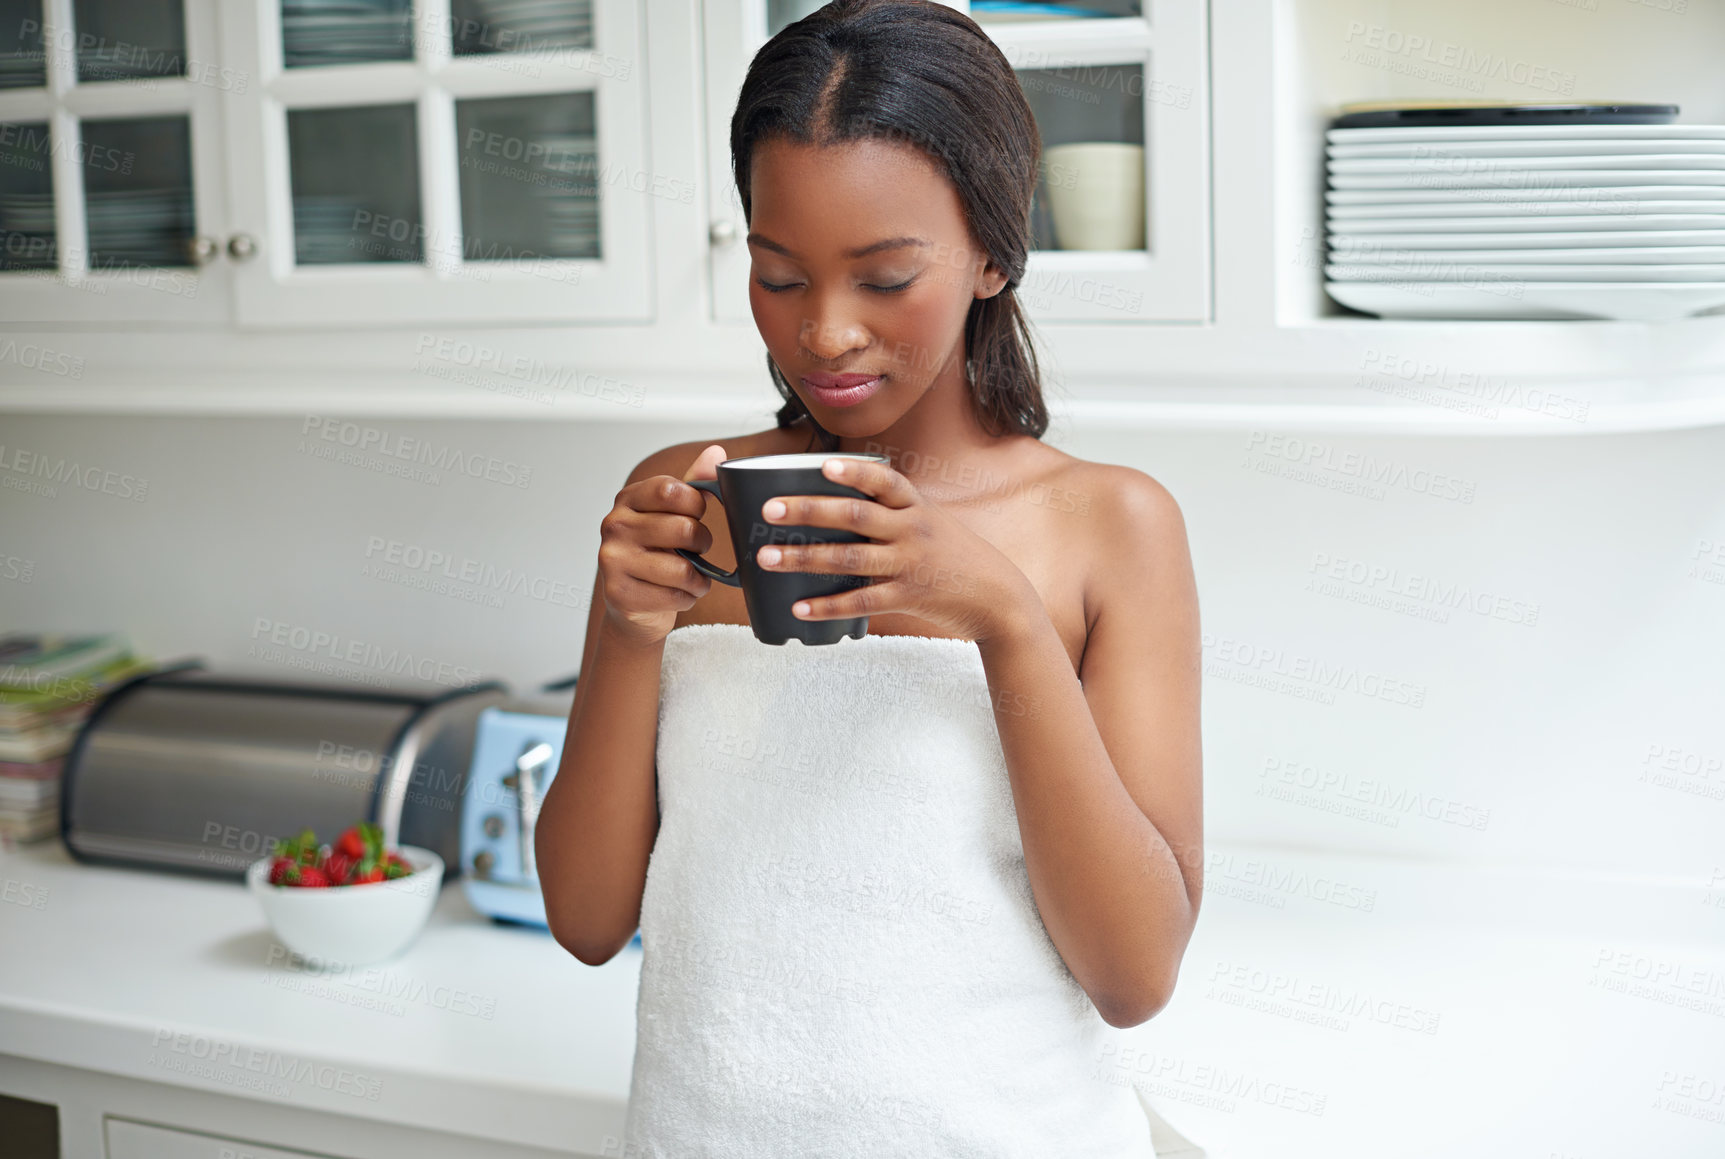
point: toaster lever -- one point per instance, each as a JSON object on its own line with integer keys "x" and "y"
{"x": 528, "y": 767}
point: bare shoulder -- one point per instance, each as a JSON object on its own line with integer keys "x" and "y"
{"x": 1135, "y": 528}
{"x": 675, "y": 460}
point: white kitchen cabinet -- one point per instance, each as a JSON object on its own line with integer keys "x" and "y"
{"x": 111, "y": 177}
{"x": 451, "y": 168}
{"x": 1137, "y": 79}
{"x": 281, "y": 164}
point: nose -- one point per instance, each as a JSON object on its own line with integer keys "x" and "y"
{"x": 831, "y": 331}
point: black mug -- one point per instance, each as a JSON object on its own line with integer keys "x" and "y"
{"x": 744, "y": 486}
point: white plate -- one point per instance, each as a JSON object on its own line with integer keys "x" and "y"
{"x": 1415, "y": 149}
{"x": 1597, "y": 199}
{"x": 1351, "y": 219}
{"x": 1568, "y": 185}
{"x": 1526, "y": 132}
{"x": 1662, "y": 239}
{"x": 1372, "y": 251}
{"x": 1623, "y": 301}
{"x": 1442, "y": 269}
{"x": 1502, "y": 167}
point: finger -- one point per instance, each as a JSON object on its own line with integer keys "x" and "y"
{"x": 875, "y": 599}
{"x": 647, "y": 596}
{"x": 831, "y": 558}
{"x": 666, "y": 530}
{"x": 667, "y": 569}
{"x": 876, "y": 480}
{"x": 863, "y": 516}
{"x": 706, "y": 464}
{"x": 666, "y": 493}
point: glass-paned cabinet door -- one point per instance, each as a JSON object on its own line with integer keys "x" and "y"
{"x": 1120, "y": 217}
{"x": 111, "y": 186}
{"x": 409, "y": 161}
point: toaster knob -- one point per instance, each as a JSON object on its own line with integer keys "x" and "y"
{"x": 493, "y": 825}
{"x": 482, "y": 863}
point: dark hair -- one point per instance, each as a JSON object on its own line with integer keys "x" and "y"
{"x": 919, "y": 73}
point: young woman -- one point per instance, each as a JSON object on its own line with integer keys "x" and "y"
{"x": 896, "y": 893}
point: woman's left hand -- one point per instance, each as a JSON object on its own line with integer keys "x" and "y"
{"x": 929, "y": 564}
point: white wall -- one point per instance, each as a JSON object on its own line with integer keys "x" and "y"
{"x": 1538, "y": 732}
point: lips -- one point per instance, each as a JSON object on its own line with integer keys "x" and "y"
{"x": 837, "y": 381}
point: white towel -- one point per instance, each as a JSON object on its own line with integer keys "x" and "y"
{"x": 842, "y": 953}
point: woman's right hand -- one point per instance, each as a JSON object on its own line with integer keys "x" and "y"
{"x": 646, "y": 582}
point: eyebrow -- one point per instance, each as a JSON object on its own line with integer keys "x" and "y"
{"x": 890, "y": 243}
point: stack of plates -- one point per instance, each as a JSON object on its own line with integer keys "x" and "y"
{"x": 1527, "y": 221}
{"x": 318, "y": 32}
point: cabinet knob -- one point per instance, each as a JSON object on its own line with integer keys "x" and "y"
{"x": 203, "y": 250}
{"x": 722, "y": 232}
{"x": 242, "y": 247}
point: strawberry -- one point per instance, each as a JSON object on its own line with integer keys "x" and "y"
{"x": 280, "y": 870}
{"x": 375, "y": 873}
{"x": 351, "y": 844}
{"x": 337, "y": 867}
{"x": 311, "y": 875}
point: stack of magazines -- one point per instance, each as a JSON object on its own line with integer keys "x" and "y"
{"x": 48, "y": 685}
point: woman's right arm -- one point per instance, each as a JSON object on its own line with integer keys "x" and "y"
{"x": 600, "y": 815}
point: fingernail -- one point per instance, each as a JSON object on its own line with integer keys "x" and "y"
{"x": 769, "y": 555}
{"x": 774, "y": 509}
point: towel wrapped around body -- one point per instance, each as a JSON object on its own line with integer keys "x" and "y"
{"x": 842, "y": 956}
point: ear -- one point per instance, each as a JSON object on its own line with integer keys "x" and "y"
{"x": 990, "y": 281}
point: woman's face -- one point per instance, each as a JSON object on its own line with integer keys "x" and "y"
{"x": 825, "y": 307}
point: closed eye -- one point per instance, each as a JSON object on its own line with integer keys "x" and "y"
{"x": 771, "y": 288}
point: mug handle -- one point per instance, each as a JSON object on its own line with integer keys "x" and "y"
{"x": 711, "y": 487}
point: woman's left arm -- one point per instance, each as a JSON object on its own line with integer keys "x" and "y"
{"x": 1106, "y": 772}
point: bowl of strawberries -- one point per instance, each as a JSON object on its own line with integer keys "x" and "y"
{"x": 350, "y": 901}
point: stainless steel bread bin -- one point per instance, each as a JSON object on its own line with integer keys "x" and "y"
{"x": 188, "y": 770}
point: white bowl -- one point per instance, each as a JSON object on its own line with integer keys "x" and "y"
{"x": 352, "y": 924}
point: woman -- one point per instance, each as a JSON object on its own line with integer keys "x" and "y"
{"x": 895, "y": 894}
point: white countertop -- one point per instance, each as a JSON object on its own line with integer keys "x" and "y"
{"x": 1469, "y": 1010}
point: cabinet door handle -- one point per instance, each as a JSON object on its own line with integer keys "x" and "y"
{"x": 242, "y": 247}
{"x": 722, "y": 232}
{"x": 203, "y": 250}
